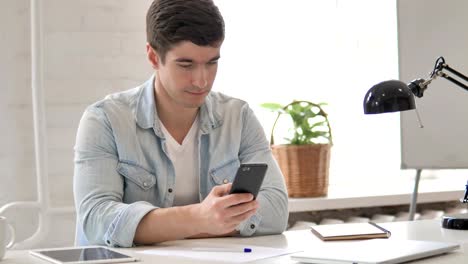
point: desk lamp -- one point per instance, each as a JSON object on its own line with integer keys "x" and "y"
{"x": 396, "y": 96}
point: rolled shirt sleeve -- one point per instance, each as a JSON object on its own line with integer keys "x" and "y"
{"x": 272, "y": 215}
{"x": 99, "y": 188}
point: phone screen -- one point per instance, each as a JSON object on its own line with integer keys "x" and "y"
{"x": 249, "y": 178}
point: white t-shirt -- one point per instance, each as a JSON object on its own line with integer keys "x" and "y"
{"x": 185, "y": 158}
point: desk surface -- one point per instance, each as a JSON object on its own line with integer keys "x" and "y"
{"x": 417, "y": 230}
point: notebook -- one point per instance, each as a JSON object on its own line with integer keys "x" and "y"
{"x": 350, "y": 231}
{"x": 372, "y": 251}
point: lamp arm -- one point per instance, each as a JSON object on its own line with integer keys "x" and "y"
{"x": 440, "y": 65}
{"x": 453, "y": 80}
{"x": 459, "y": 74}
{"x": 418, "y": 86}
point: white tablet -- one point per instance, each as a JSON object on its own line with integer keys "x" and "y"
{"x": 81, "y": 255}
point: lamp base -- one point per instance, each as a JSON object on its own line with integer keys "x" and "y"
{"x": 455, "y": 221}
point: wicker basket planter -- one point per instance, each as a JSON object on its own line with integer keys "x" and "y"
{"x": 305, "y": 168}
{"x": 305, "y": 161}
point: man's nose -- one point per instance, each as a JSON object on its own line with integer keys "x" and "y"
{"x": 200, "y": 78}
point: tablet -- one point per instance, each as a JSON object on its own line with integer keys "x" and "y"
{"x": 81, "y": 255}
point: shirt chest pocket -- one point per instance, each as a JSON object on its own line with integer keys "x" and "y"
{"x": 225, "y": 173}
{"x": 137, "y": 175}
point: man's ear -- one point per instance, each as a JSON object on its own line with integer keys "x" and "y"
{"x": 152, "y": 56}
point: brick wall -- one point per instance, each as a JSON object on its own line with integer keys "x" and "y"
{"x": 91, "y": 48}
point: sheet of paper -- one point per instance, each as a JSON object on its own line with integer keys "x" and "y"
{"x": 228, "y": 253}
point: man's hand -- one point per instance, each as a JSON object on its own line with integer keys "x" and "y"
{"x": 221, "y": 212}
{"x": 218, "y": 215}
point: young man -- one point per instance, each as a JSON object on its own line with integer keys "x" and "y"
{"x": 155, "y": 163}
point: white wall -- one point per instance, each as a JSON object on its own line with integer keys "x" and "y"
{"x": 91, "y": 48}
{"x": 441, "y": 31}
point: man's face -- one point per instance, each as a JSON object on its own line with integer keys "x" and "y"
{"x": 187, "y": 75}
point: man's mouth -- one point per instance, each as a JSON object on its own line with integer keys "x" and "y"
{"x": 197, "y": 92}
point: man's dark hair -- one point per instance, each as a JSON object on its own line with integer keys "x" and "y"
{"x": 169, "y": 22}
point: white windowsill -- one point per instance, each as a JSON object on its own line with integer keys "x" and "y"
{"x": 383, "y": 193}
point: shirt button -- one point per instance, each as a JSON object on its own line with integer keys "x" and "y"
{"x": 225, "y": 181}
{"x": 252, "y": 226}
{"x": 169, "y": 190}
{"x": 145, "y": 184}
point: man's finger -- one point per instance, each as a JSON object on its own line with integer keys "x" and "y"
{"x": 236, "y": 198}
{"x": 241, "y": 208}
{"x": 239, "y": 218}
{"x": 221, "y": 190}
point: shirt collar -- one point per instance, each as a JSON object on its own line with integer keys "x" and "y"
{"x": 146, "y": 114}
{"x": 145, "y": 111}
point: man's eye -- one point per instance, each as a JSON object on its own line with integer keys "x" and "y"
{"x": 185, "y": 66}
{"x": 213, "y": 62}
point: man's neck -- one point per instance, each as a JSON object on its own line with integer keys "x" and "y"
{"x": 177, "y": 122}
{"x": 176, "y": 119}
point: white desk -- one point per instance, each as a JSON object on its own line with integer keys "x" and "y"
{"x": 422, "y": 230}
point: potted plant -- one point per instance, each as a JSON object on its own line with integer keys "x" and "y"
{"x": 305, "y": 159}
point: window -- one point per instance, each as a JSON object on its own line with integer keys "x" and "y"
{"x": 321, "y": 51}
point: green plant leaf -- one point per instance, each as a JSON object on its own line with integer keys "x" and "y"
{"x": 275, "y": 107}
{"x": 310, "y": 123}
{"x": 318, "y": 124}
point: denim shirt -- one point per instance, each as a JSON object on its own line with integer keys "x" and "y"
{"x": 122, "y": 170}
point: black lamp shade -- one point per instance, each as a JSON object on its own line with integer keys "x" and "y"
{"x": 388, "y": 96}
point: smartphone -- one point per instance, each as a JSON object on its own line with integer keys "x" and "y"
{"x": 249, "y": 178}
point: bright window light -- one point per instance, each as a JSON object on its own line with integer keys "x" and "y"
{"x": 321, "y": 51}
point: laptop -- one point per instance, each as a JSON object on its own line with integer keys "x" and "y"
{"x": 372, "y": 251}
